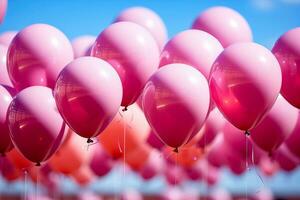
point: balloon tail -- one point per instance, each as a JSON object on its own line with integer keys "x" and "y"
{"x": 89, "y": 140}
{"x": 125, "y": 108}
{"x": 247, "y": 133}
{"x": 124, "y": 145}
{"x": 38, "y": 164}
{"x": 176, "y": 150}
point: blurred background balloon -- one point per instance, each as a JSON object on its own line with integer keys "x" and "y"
{"x": 82, "y": 45}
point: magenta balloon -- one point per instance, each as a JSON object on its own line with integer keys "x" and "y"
{"x": 293, "y": 141}
{"x": 242, "y": 91}
{"x": 36, "y": 127}
{"x": 192, "y": 47}
{"x": 209, "y": 172}
{"x": 3, "y": 7}
{"x": 212, "y": 126}
{"x": 216, "y": 149}
{"x": 36, "y": 56}
{"x": 101, "y": 163}
{"x": 7, "y": 37}
{"x": 4, "y": 77}
{"x": 134, "y": 54}
{"x": 154, "y": 165}
{"x": 175, "y": 102}
{"x": 286, "y": 160}
{"x": 154, "y": 141}
{"x": 174, "y": 174}
{"x": 195, "y": 172}
{"x": 278, "y": 124}
{"x": 149, "y": 20}
{"x": 82, "y": 45}
{"x": 88, "y": 94}
{"x": 5, "y": 100}
{"x": 287, "y": 52}
{"x": 226, "y": 24}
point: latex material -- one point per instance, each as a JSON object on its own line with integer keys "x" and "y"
{"x": 101, "y": 162}
{"x": 82, "y": 45}
{"x": 4, "y": 77}
{"x": 293, "y": 141}
{"x": 7, "y": 37}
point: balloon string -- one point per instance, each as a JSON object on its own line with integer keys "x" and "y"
{"x": 176, "y": 164}
{"x": 255, "y": 169}
{"x": 25, "y": 184}
{"x": 247, "y": 166}
{"x": 37, "y": 183}
{"x": 124, "y": 146}
{"x": 2, "y": 168}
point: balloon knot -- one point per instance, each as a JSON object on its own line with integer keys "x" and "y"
{"x": 247, "y": 133}
{"x": 38, "y": 164}
{"x": 176, "y": 150}
{"x": 124, "y": 109}
{"x": 89, "y": 140}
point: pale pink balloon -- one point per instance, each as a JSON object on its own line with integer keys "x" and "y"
{"x": 287, "y": 52}
{"x": 212, "y": 126}
{"x": 225, "y": 24}
{"x": 149, "y": 20}
{"x": 4, "y": 77}
{"x": 131, "y": 195}
{"x": 286, "y": 160}
{"x": 244, "y": 83}
{"x": 263, "y": 194}
{"x": 7, "y": 37}
{"x": 176, "y": 102}
{"x": 101, "y": 162}
{"x": 192, "y": 47}
{"x": 5, "y": 100}
{"x": 3, "y": 8}
{"x": 267, "y": 166}
{"x": 154, "y": 165}
{"x": 134, "y": 54}
{"x": 82, "y": 45}
{"x": 293, "y": 141}
{"x": 36, "y": 127}
{"x": 88, "y": 94}
{"x": 277, "y": 125}
{"x": 220, "y": 194}
{"x": 172, "y": 193}
{"x": 36, "y": 56}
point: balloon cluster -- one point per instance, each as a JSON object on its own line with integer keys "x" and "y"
{"x": 199, "y": 93}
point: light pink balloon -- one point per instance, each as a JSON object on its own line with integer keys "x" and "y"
{"x": 278, "y": 124}
{"x": 220, "y": 194}
{"x": 263, "y": 194}
{"x": 36, "y": 56}
{"x": 134, "y": 54}
{"x": 286, "y": 160}
{"x": 7, "y": 37}
{"x": 293, "y": 141}
{"x": 4, "y": 77}
{"x": 149, "y": 20}
{"x": 5, "y": 100}
{"x": 3, "y": 7}
{"x": 212, "y": 126}
{"x": 172, "y": 193}
{"x": 36, "y": 127}
{"x": 88, "y": 94}
{"x": 245, "y": 82}
{"x": 174, "y": 174}
{"x": 267, "y": 166}
{"x": 192, "y": 47}
{"x": 175, "y": 102}
{"x": 131, "y": 195}
{"x": 82, "y": 45}
{"x": 224, "y": 23}
{"x": 154, "y": 165}
{"x": 287, "y": 51}
{"x": 101, "y": 162}
{"x": 209, "y": 172}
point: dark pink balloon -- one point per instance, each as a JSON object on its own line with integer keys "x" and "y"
{"x": 154, "y": 165}
{"x": 194, "y": 172}
{"x": 277, "y": 125}
{"x": 293, "y": 141}
{"x": 36, "y": 127}
{"x": 174, "y": 174}
{"x": 286, "y": 160}
{"x": 214, "y": 152}
{"x": 154, "y": 141}
{"x": 36, "y": 56}
{"x": 101, "y": 162}
{"x": 7, "y": 37}
{"x": 4, "y": 77}
{"x": 287, "y": 52}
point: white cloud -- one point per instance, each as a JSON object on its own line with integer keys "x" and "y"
{"x": 264, "y": 5}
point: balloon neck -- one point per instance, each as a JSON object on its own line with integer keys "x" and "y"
{"x": 38, "y": 164}
{"x": 89, "y": 140}
{"x": 125, "y": 108}
{"x": 176, "y": 150}
{"x": 247, "y": 133}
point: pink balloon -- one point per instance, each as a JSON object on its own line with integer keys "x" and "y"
{"x": 88, "y": 94}
{"x": 82, "y": 45}
{"x": 276, "y": 126}
{"x": 264, "y": 194}
{"x": 216, "y": 149}
{"x": 192, "y": 47}
{"x": 220, "y": 194}
{"x": 174, "y": 174}
{"x": 175, "y": 102}
{"x": 4, "y": 77}
{"x": 101, "y": 162}
{"x": 195, "y": 172}
{"x": 148, "y": 19}
{"x": 36, "y": 128}
{"x": 243, "y": 92}
{"x": 293, "y": 141}
{"x": 153, "y": 166}
{"x": 133, "y": 52}
{"x": 267, "y": 166}
{"x": 3, "y": 7}
{"x": 210, "y": 173}
{"x": 172, "y": 193}
{"x": 36, "y": 56}
{"x": 5, "y": 100}
{"x": 287, "y": 52}
{"x": 154, "y": 141}
{"x": 224, "y": 23}
{"x": 212, "y": 126}
{"x": 7, "y": 37}
{"x": 286, "y": 160}
{"x": 131, "y": 195}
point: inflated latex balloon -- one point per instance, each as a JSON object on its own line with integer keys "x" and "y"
{"x": 149, "y": 20}
{"x": 153, "y": 166}
{"x": 278, "y": 124}
{"x": 172, "y": 193}
{"x": 137, "y": 158}
{"x": 8, "y": 171}
{"x": 220, "y": 194}
{"x": 224, "y": 23}
{"x": 286, "y": 160}
{"x": 131, "y": 126}
{"x": 244, "y": 83}
{"x": 194, "y": 172}
{"x": 82, "y": 45}
{"x": 210, "y": 173}
{"x": 3, "y": 7}
{"x": 101, "y": 162}
{"x": 4, "y": 77}
{"x": 18, "y": 160}
{"x": 192, "y": 47}
{"x": 267, "y": 166}
{"x": 264, "y": 194}
{"x": 154, "y": 141}
{"x": 176, "y": 102}
{"x": 36, "y": 56}
{"x": 83, "y": 176}
{"x": 88, "y": 94}
{"x": 133, "y": 52}
{"x": 7, "y": 37}
{"x": 174, "y": 174}
{"x": 212, "y": 126}
{"x": 215, "y": 150}
{"x": 131, "y": 195}
{"x": 36, "y": 127}
{"x": 287, "y": 52}
{"x": 293, "y": 141}
{"x": 5, "y": 141}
